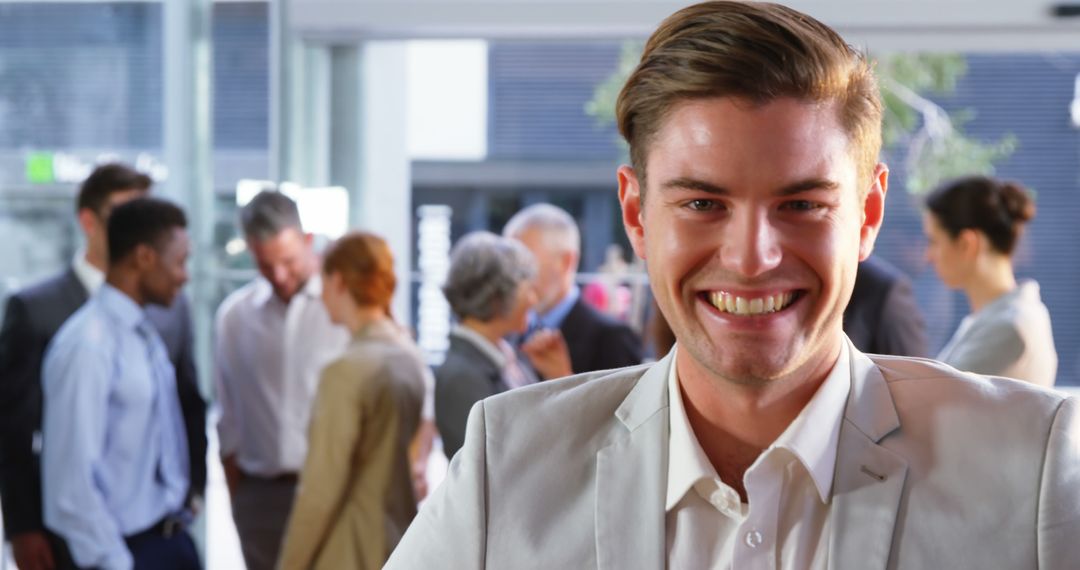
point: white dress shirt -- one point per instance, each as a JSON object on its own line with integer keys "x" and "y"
{"x": 789, "y": 487}
{"x": 268, "y": 357}
{"x": 91, "y": 277}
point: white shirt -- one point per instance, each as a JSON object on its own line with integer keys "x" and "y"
{"x": 267, "y": 362}
{"x": 91, "y": 277}
{"x": 789, "y": 487}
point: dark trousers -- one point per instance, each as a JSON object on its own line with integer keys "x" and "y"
{"x": 261, "y": 511}
{"x": 154, "y": 551}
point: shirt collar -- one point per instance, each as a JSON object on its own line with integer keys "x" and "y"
{"x": 264, "y": 292}
{"x": 120, "y": 306}
{"x": 482, "y": 344}
{"x": 813, "y": 437}
{"x": 555, "y": 315}
{"x": 91, "y": 277}
{"x": 687, "y": 463}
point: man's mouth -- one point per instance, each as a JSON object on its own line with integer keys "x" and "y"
{"x": 751, "y": 306}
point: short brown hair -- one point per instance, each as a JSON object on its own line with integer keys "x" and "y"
{"x": 366, "y": 265}
{"x": 754, "y": 50}
{"x": 106, "y": 180}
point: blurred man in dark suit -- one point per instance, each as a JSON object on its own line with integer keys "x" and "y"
{"x": 883, "y": 316}
{"x": 596, "y": 341}
{"x": 32, "y": 317}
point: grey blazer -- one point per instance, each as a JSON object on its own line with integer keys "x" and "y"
{"x": 935, "y": 469}
{"x": 464, "y": 378}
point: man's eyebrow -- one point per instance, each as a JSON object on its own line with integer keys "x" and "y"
{"x": 684, "y": 183}
{"x": 808, "y": 185}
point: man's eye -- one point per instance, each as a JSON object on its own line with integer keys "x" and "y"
{"x": 702, "y": 205}
{"x": 801, "y": 205}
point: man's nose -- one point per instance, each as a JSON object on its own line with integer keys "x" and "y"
{"x": 751, "y": 243}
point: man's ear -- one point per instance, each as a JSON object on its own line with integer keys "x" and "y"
{"x": 88, "y": 220}
{"x": 569, "y": 260}
{"x": 873, "y": 210}
{"x": 632, "y": 208}
{"x": 145, "y": 257}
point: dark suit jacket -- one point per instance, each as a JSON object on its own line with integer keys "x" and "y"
{"x": 882, "y": 316}
{"x": 464, "y": 378}
{"x": 597, "y": 341}
{"x": 32, "y": 317}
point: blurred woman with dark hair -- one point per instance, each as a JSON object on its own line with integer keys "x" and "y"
{"x": 973, "y": 225}
{"x": 355, "y": 498}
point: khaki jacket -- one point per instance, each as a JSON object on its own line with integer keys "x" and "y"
{"x": 355, "y": 496}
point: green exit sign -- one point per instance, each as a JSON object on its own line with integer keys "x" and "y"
{"x": 39, "y": 168}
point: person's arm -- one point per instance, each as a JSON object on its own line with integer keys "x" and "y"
{"x": 228, "y": 428}
{"x": 457, "y": 388}
{"x": 192, "y": 405}
{"x": 20, "y": 487}
{"x": 333, "y": 439}
{"x": 901, "y": 330}
{"x": 450, "y": 530}
{"x": 76, "y": 380}
{"x": 1059, "y": 498}
{"x": 422, "y": 442}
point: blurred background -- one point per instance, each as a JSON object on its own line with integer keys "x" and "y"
{"x": 426, "y": 119}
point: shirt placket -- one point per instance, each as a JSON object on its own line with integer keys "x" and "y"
{"x": 756, "y": 538}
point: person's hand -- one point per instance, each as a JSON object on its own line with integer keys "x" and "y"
{"x": 31, "y": 551}
{"x": 547, "y": 351}
{"x": 419, "y": 480}
{"x": 232, "y": 473}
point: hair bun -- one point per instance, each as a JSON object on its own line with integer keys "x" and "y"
{"x": 1016, "y": 202}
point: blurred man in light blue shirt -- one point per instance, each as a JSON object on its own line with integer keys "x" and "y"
{"x": 114, "y": 460}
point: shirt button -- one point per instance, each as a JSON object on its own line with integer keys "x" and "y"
{"x": 754, "y": 539}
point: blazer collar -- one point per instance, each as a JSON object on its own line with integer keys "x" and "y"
{"x": 632, "y": 478}
{"x": 867, "y": 485}
{"x": 869, "y": 479}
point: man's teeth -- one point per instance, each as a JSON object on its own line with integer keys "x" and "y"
{"x": 735, "y": 305}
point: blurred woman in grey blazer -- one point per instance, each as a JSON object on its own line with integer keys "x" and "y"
{"x": 490, "y": 290}
{"x": 973, "y": 225}
{"x": 355, "y": 498}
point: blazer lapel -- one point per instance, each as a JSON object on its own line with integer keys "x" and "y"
{"x": 632, "y": 478}
{"x": 869, "y": 480}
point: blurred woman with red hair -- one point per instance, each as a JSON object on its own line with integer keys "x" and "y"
{"x": 355, "y": 497}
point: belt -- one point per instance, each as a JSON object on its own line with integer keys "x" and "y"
{"x": 281, "y": 478}
{"x": 167, "y": 527}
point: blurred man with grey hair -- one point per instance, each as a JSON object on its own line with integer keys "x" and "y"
{"x": 273, "y": 339}
{"x": 596, "y": 341}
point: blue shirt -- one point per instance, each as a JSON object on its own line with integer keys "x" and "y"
{"x": 554, "y": 317}
{"x": 114, "y": 457}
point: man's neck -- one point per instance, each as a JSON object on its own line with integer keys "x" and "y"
{"x": 96, "y": 259}
{"x": 734, "y": 423}
{"x": 126, "y": 283}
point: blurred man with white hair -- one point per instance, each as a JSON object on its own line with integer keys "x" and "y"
{"x": 596, "y": 341}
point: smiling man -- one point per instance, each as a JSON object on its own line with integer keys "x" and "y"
{"x": 765, "y": 439}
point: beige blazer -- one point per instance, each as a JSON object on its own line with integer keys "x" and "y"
{"x": 355, "y": 497}
{"x": 935, "y": 469}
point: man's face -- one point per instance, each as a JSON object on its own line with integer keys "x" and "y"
{"x": 95, "y": 224}
{"x": 752, "y": 229}
{"x": 166, "y": 272}
{"x": 554, "y": 268}
{"x": 285, "y": 260}
{"x": 948, "y": 255}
